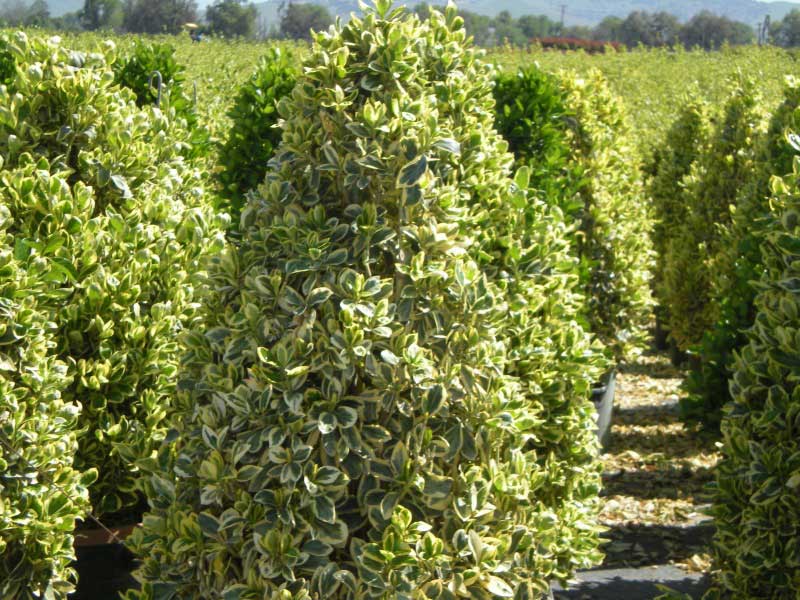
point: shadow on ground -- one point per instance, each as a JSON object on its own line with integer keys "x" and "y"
{"x": 665, "y": 412}
{"x": 632, "y": 584}
{"x": 664, "y": 482}
{"x": 647, "y": 545}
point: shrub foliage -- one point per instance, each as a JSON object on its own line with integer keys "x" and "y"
{"x": 254, "y": 135}
{"x": 532, "y": 115}
{"x": 670, "y": 165}
{"x": 354, "y": 422}
{"x": 572, "y": 134}
{"x": 614, "y": 245}
{"x": 41, "y": 494}
{"x": 135, "y": 69}
{"x": 734, "y": 268}
{"x": 756, "y": 504}
{"x": 108, "y": 227}
{"x": 711, "y": 189}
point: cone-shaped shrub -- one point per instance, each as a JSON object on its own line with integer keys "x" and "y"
{"x": 573, "y": 135}
{"x": 97, "y": 187}
{"x": 757, "y": 497}
{"x": 736, "y": 266}
{"x": 552, "y": 353}
{"x": 670, "y": 166}
{"x": 712, "y": 188}
{"x": 352, "y": 423}
{"x": 527, "y": 247}
{"x": 41, "y": 495}
{"x": 254, "y": 135}
{"x": 614, "y": 245}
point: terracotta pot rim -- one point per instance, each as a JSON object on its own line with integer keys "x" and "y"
{"x": 101, "y": 537}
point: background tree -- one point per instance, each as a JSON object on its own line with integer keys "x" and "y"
{"x": 232, "y": 18}
{"x": 533, "y": 26}
{"x": 650, "y": 29}
{"x": 608, "y": 30}
{"x": 38, "y": 14}
{"x": 101, "y": 14}
{"x": 786, "y": 32}
{"x": 710, "y": 31}
{"x": 18, "y": 13}
{"x": 300, "y": 19}
{"x": 158, "y": 16}
{"x": 507, "y": 30}
{"x": 665, "y": 29}
{"x": 577, "y": 31}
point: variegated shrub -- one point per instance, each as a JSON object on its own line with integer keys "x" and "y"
{"x": 375, "y": 407}
{"x": 737, "y": 265}
{"x": 614, "y": 245}
{"x": 97, "y": 187}
{"x": 41, "y": 495}
{"x": 757, "y": 496}
{"x": 711, "y": 188}
{"x": 670, "y": 165}
{"x": 573, "y": 134}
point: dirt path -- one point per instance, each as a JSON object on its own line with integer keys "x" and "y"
{"x": 655, "y": 472}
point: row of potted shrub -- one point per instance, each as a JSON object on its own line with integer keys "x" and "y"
{"x": 711, "y": 195}
{"x": 726, "y": 235}
{"x": 378, "y": 385}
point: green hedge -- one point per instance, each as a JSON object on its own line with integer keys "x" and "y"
{"x": 354, "y": 418}
{"x": 532, "y": 115}
{"x": 757, "y": 496}
{"x": 97, "y": 197}
{"x": 254, "y": 135}
{"x": 573, "y": 135}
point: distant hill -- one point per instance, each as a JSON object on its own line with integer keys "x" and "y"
{"x": 577, "y": 12}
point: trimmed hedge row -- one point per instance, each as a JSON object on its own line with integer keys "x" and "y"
{"x": 729, "y": 282}
{"x": 715, "y": 179}
{"x": 756, "y": 502}
{"x": 668, "y": 169}
{"x": 713, "y": 191}
{"x": 735, "y": 266}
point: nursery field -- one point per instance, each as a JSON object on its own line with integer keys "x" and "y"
{"x": 384, "y": 317}
{"x": 647, "y": 80}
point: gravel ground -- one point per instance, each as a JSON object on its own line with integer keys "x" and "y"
{"x": 655, "y": 474}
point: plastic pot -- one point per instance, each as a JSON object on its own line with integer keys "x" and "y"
{"x": 603, "y": 400}
{"x": 104, "y": 564}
